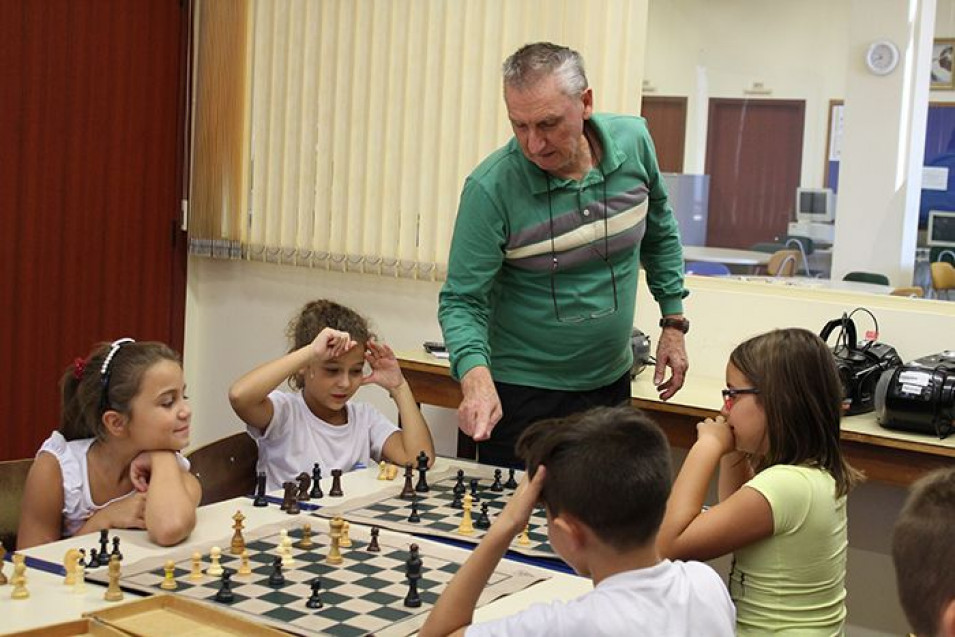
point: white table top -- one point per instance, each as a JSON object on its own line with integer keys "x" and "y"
{"x": 817, "y": 283}
{"x": 729, "y": 256}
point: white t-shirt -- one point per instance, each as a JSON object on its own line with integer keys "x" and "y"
{"x": 670, "y": 599}
{"x": 78, "y": 505}
{"x": 296, "y": 439}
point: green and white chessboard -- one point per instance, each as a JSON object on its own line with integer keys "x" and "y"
{"x": 363, "y": 595}
{"x": 438, "y": 517}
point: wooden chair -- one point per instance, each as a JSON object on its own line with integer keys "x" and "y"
{"x": 912, "y": 291}
{"x": 225, "y": 468}
{"x": 943, "y": 277}
{"x": 783, "y": 263}
{"x": 13, "y": 477}
{"x": 867, "y": 277}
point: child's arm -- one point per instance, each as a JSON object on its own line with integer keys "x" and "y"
{"x": 171, "y": 499}
{"x": 414, "y": 436}
{"x": 687, "y": 532}
{"x": 454, "y": 610}
{"x": 249, "y": 395}
{"x": 735, "y": 471}
{"x": 41, "y": 514}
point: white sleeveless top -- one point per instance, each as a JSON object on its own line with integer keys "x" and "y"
{"x": 78, "y": 505}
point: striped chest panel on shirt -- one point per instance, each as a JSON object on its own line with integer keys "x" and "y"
{"x": 577, "y": 236}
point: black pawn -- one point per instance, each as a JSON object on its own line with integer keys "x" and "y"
{"x": 373, "y": 545}
{"x": 276, "y": 579}
{"x": 116, "y": 552}
{"x": 94, "y": 559}
{"x": 413, "y": 572}
{"x": 414, "y": 517}
{"x": 225, "y": 595}
{"x": 407, "y": 492}
{"x": 103, "y": 547}
{"x": 336, "y": 490}
{"x": 497, "y": 486}
{"x": 474, "y": 492}
{"x": 459, "y": 487}
{"x": 314, "y": 601}
{"x": 422, "y": 486}
{"x": 260, "y": 499}
{"x": 511, "y": 482}
{"x": 483, "y": 521}
{"x": 457, "y": 503}
{"x": 316, "y": 492}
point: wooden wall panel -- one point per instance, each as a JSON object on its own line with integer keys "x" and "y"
{"x": 91, "y": 120}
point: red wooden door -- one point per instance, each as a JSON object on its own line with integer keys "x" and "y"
{"x": 91, "y": 120}
{"x": 666, "y": 117}
{"x": 754, "y": 159}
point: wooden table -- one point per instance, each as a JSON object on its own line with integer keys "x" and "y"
{"x": 886, "y": 456}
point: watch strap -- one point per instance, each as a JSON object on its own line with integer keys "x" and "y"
{"x": 682, "y": 324}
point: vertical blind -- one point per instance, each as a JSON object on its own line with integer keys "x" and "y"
{"x": 365, "y": 116}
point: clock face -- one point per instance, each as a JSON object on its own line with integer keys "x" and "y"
{"x": 882, "y": 57}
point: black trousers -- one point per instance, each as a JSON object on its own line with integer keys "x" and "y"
{"x": 524, "y": 406}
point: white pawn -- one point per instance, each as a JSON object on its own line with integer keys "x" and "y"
{"x": 215, "y": 569}
{"x": 79, "y": 582}
{"x": 286, "y": 549}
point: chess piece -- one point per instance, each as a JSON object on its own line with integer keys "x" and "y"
{"x": 94, "y": 559}
{"x": 116, "y": 552}
{"x": 336, "y": 490}
{"x": 459, "y": 487}
{"x": 373, "y": 546}
{"x": 225, "y": 594}
{"x": 287, "y": 559}
{"x": 113, "y": 592}
{"x": 413, "y": 572}
{"x": 456, "y": 502}
{"x": 244, "y": 568}
{"x": 260, "y": 499}
{"x": 103, "y": 558}
{"x": 474, "y": 490}
{"x": 466, "y": 527}
{"x": 169, "y": 581}
{"x": 382, "y": 470}
{"x": 3, "y": 556}
{"x": 414, "y": 518}
{"x": 407, "y": 491}
{"x": 524, "y": 539}
{"x": 289, "y": 502}
{"x": 496, "y": 486}
{"x": 238, "y": 542}
{"x": 314, "y": 601}
{"x": 483, "y": 521}
{"x": 215, "y": 569}
{"x": 79, "y": 584}
{"x": 392, "y": 471}
{"x": 511, "y": 482}
{"x": 69, "y": 564}
{"x": 422, "y": 486}
{"x": 276, "y": 579}
{"x": 316, "y": 492}
{"x": 19, "y": 579}
{"x": 195, "y": 573}
{"x": 334, "y": 554}
{"x": 304, "y": 482}
{"x": 306, "y": 541}
{"x": 344, "y": 541}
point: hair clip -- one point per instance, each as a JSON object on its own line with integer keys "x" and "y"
{"x": 112, "y": 352}
{"x": 79, "y": 366}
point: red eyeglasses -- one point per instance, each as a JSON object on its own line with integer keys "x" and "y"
{"x": 729, "y": 395}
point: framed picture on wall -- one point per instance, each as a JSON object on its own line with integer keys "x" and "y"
{"x": 943, "y": 59}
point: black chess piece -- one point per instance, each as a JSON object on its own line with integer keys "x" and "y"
{"x": 511, "y": 482}
{"x": 285, "y": 495}
{"x": 304, "y": 482}
{"x": 225, "y": 595}
{"x": 94, "y": 559}
{"x": 422, "y": 486}
{"x": 407, "y": 491}
{"x": 458, "y": 501}
{"x": 474, "y": 492}
{"x": 116, "y": 552}
{"x": 260, "y": 499}
{"x": 289, "y": 500}
{"x": 459, "y": 487}
{"x": 373, "y": 546}
{"x": 413, "y": 572}
{"x": 314, "y": 601}
{"x": 497, "y": 486}
{"x": 103, "y": 556}
{"x": 414, "y": 517}
{"x": 483, "y": 521}
{"x": 316, "y": 492}
{"x": 336, "y": 490}
{"x": 276, "y": 579}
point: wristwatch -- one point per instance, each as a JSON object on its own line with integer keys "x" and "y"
{"x": 682, "y": 324}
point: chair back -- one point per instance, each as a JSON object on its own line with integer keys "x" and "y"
{"x": 943, "y": 276}
{"x": 783, "y": 263}
{"x": 914, "y": 291}
{"x": 13, "y": 477}
{"x": 704, "y": 268}
{"x": 225, "y": 468}
{"x": 867, "y": 277}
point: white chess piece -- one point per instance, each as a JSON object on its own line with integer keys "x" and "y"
{"x": 286, "y": 550}
{"x": 215, "y": 569}
{"x": 79, "y": 575}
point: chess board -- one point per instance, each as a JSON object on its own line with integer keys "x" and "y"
{"x": 363, "y": 595}
{"x": 438, "y": 517}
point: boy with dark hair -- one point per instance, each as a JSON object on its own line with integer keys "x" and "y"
{"x": 603, "y": 477}
{"x": 923, "y": 549}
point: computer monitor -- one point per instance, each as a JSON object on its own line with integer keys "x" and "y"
{"x": 941, "y": 228}
{"x": 815, "y": 204}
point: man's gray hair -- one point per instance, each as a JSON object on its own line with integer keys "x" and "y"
{"x": 533, "y": 62}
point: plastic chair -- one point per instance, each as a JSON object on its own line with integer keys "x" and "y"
{"x": 913, "y": 291}
{"x": 225, "y": 468}
{"x": 782, "y": 263}
{"x": 13, "y": 477}
{"x": 867, "y": 277}
{"x": 703, "y": 268}
{"x": 943, "y": 277}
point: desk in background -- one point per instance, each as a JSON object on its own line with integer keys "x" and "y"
{"x": 729, "y": 256}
